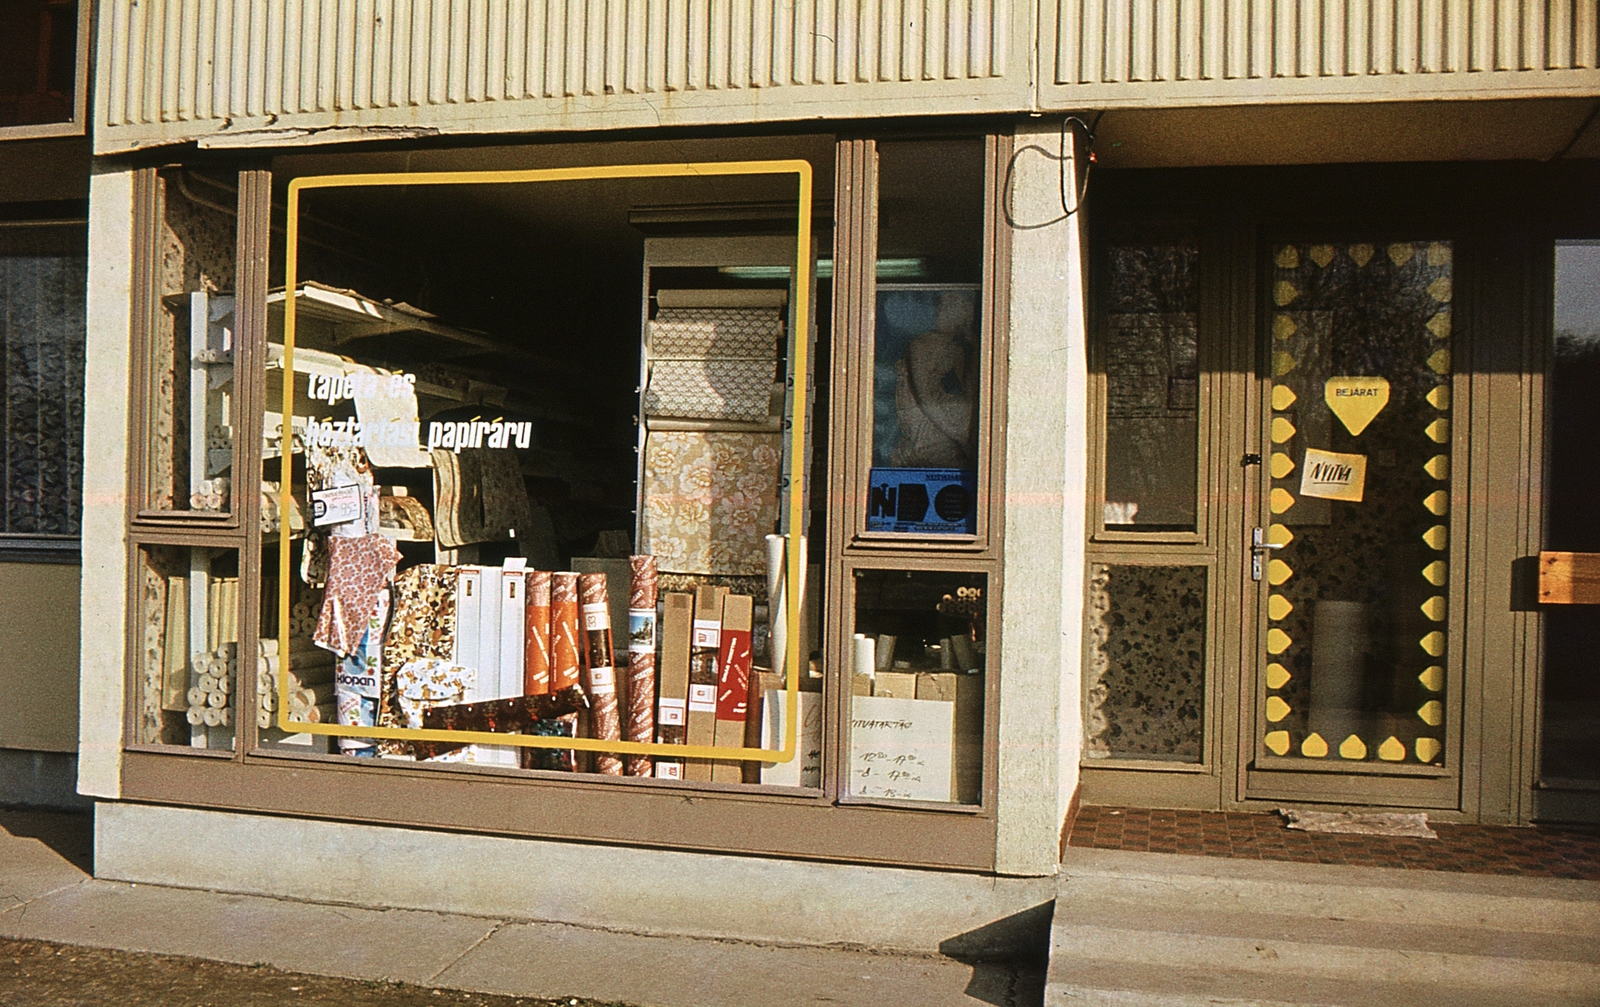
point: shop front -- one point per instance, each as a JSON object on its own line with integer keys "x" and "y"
{"x": 647, "y": 495}
{"x": 685, "y": 480}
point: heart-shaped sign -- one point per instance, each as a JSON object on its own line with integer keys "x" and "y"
{"x": 1357, "y": 401}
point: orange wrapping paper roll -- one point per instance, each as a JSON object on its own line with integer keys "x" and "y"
{"x": 564, "y": 638}
{"x": 536, "y": 634}
{"x": 641, "y": 659}
{"x": 605, "y": 717}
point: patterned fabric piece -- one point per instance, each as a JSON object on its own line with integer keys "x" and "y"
{"x": 358, "y": 569}
{"x": 710, "y": 500}
{"x": 423, "y": 626}
{"x": 515, "y": 715}
{"x": 716, "y": 332}
{"x": 714, "y": 389}
{"x": 428, "y": 682}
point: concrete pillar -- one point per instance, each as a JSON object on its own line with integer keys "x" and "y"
{"x": 1045, "y": 449}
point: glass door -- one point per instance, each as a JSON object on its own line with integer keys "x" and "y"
{"x": 1348, "y": 558}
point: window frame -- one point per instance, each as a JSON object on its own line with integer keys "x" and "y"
{"x": 674, "y": 814}
{"x": 78, "y": 125}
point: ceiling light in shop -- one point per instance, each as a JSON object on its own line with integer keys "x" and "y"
{"x": 888, "y": 269}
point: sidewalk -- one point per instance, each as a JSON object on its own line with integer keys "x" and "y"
{"x": 47, "y": 893}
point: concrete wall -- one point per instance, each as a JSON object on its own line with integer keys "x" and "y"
{"x": 617, "y": 888}
{"x": 104, "y": 593}
{"x": 39, "y": 656}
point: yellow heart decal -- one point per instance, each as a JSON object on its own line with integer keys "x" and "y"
{"x": 1356, "y": 401}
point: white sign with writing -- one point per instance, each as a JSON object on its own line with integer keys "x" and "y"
{"x": 805, "y": 769}
{"x": 900, "y": 748}
{"x": 1333, "y": 476}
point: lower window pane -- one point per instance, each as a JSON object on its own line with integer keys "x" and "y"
{"x": 917, "y": 685}
{"x": 1144, "y": 697}
{"x": 187, "y": 663}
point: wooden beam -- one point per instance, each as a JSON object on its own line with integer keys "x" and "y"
{"x": 1569, "y": 578}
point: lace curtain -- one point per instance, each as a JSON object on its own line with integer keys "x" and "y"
{"x": 43, "y": 274}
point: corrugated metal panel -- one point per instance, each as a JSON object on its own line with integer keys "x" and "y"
{"x": 1169, "y": 41}
{"x": 203, "y": 61}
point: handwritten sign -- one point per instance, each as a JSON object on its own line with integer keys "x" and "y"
{"x": 805, "y": 769}
{"x": 900, "y": 748}
{"x": 1333, "y": 476}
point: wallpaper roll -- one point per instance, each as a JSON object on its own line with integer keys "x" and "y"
{"x": 602, "y": 668}
{"x": 536, "y": 635}
{"x": 563, "y": 631}
{"x": 641, "y": 659}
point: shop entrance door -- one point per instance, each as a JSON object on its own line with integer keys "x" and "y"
{"x": 1350, "y": 680}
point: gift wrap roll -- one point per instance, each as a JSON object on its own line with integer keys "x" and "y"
{"x": 642, "y": 593}
{"x": 564, "y": 639}
{"x": 602, "y": 668}
{"x": 536, "y": 635}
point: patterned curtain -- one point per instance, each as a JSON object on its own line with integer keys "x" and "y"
{"x": 43, "y": 275}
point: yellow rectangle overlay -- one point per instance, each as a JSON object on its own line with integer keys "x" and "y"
{"x": 793, "y": 502}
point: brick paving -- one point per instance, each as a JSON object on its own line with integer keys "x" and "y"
{"x": 1541, "y": 852}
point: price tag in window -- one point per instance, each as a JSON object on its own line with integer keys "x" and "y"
{"x": 336, "y": 505}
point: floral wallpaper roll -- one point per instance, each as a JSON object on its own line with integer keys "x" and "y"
{"x": 710, "y": 500}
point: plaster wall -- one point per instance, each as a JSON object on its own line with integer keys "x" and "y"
{"x": 39, "y": 656}
{"x": 103, "y": 598}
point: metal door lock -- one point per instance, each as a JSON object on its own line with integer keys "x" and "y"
{"x": 1259, "y": 547}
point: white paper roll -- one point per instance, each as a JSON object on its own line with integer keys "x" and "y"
{"x": 777, "y": 605}
{"x": 196, "y": 715}
{"x": 865, "y": 660}
{"x": 197, "y": 696}
{"x": 212, "y": 717}
{"x": 216, "y": 701}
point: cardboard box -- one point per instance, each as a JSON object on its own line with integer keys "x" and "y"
{"x": 895, "y": 685}
{"x": 703, "y": 677}
{"x": 672, "y": 686}
{"x": 733, "y": 683}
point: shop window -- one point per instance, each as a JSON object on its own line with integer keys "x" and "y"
{"x": 1570, "y": 748}
{"x": 42, "y": 282}
{"x": 189, "y": 409}
{"x": 186, "y": 652}
{"x": 928, "y": 363}
{"x": 41, "y": 65}
{"x": 1149, "y": 363}
{"x": 502, "y": 497}
{"x": 918, "y": 652}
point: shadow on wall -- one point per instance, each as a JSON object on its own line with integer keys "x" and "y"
{"x": 69, "y": 834}
{"x": 1008, "y": 957}
{"x": 46, "y": 780}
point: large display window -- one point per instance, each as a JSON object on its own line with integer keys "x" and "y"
{"x": 529, "y": 486}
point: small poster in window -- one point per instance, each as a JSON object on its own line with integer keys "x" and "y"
{"x": 336, "y": 505}
{"x": 1333, "y": 476}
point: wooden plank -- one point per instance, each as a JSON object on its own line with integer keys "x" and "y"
{"x": 1569, "y": 578}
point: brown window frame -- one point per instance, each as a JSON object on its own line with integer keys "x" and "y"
{"x": 713, "y": 817}
{"x": 78, "y": 125}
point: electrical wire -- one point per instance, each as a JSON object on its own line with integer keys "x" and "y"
{"x": 1063, "y": 160}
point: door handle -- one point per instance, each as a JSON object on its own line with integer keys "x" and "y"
{"x": 1259, "y": 547}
